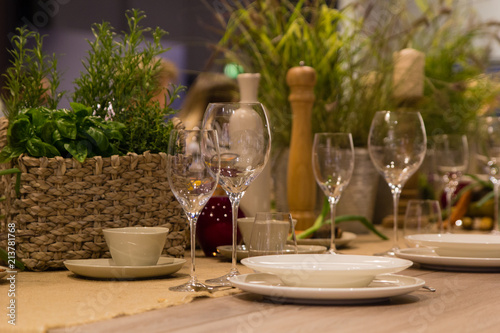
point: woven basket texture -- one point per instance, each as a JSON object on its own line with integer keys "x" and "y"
{"x": 65, "y": 204}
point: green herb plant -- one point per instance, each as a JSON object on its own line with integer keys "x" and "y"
{"x": 120, "y": 80}
{"x": 32, "y": 79}
{"x": 74, "y": 133}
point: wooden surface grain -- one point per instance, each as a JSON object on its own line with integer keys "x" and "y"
{"x": 463, "y": 302}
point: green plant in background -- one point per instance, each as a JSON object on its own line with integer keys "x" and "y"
{"x": 351, "y": 50}
{"x": 120, "y": 80}
{"x": 74, "y": 133}
{"x": 32, "y": 79}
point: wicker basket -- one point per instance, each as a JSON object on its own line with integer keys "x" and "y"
{"x": 64, "y": 205}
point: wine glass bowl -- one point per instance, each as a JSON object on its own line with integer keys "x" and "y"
{"x": 397, "y": 144}
{"x": 193, "y": 174}
{"x": 333, "y": 165}
{"x": 245, "y": 145}
{"x": 451, "y": 156}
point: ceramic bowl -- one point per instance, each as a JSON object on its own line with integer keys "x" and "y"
{"x": 135, "y": 246}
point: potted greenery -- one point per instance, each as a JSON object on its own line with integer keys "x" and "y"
{"x": 352, "y": 51}
{"x": 98, "y": 165}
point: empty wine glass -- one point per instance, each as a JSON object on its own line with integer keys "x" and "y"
{"x": 245, "y": 144}
{"x": 397, "y": 144}
{"x": 193, "y": 173}
{"x": 488, "y": 148}
{"x": 451, "y": 155}
{"x": 333, "y": 164}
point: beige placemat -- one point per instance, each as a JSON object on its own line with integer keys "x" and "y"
{"x": 61, "y": 299}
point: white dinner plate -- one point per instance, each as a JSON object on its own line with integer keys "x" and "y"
{"x": 460, "y": 245}
{"x": 346, "y": 238}
{"x": 326, "y": 270}
{"x": 380, "y": 289}
{"x": 106, "y": 269}
{"x": 241, "y": 252}
{"x": 428, "y": 258}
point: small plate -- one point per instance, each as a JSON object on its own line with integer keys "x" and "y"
{"x": 380, "y": 289}
{"x": 106, "y": 269}
{"x": 428, "y": 258}
{"x": 326, "y": 270}
{"x": 242, "y": 253}
{"x": 346, "y": 238}
{"x": 460, "y": 245}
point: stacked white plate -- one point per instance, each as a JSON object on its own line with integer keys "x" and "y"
{"x": 320, "y": 278}
{"x": 454, "y": 251}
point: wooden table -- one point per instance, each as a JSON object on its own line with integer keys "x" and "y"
{"x": 463, "y": 302}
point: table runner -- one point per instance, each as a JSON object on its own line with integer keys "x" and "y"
{"x": 60, "y": 298}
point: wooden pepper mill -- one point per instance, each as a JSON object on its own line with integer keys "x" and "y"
{"x": 301, "y": 185}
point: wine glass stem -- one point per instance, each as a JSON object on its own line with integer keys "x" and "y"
{"x": 235, "y": 199}
{"x": 396, "y": 193}
{"x": 333, "y": 207}
{"x": 449, "y": 194}
{"x": 496, "y": 190}
{"x": 193, "y": 218}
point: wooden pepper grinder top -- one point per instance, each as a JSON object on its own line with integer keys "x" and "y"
{"x": 301, "y": 185}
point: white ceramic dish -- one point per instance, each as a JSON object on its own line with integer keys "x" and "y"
{"x": 380, "y": 289}
{"x": 326, "y": 270}
{"x": 346, "y": 238}
{"x": 428, "y": 258}
{"x": 459, "y": 245}
{"x": 106, "y": 269}
{"x": 242, "y": 253}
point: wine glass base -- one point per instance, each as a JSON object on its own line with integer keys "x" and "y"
{"x": 223, "y": 280}
{"x": 192, "y": 287}
{"x": 388, "y": 253}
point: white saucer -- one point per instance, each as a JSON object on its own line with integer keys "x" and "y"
{"x": 428, "y": 258}
{"x": 105, "y": 268}
{"x": 346, "y": 238}
{"x": 384, "y": 287}
{"x": 242, "y": 253}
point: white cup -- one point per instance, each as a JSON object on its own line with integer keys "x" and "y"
{"x": 135, "y": 246}
{"x": 245, "y": 225}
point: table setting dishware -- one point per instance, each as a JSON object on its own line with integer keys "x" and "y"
{"x": 333, "y": 165}
{"x": 422, "y": 217}
{"x": 460, "y": 245}
{"x": 378, "y": 290}
{"x": 427, "y": 258}
{"x": 135, "y": 246}
{"x": 135, "y": 254}
{"x": 324, "y": 270}
{"x": 106, "y": 269}
{"x": 245, "y": 143}
{"x": 193, "y": 173}
{"x": 397, "y": 144}
{"x": 488, "y": 153}
{"x": 451, "y": 156}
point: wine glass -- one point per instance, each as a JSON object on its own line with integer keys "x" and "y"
{"x": 333, "y": 164}
{"x": 488, "y": 148}
{"x": 451, "y": 155}
{"x": 245, "y": 145}
{"x": 397, "y": 144}
{"x": 193, "y": 173}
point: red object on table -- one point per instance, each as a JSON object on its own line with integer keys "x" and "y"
{"x": 214, "y": 227}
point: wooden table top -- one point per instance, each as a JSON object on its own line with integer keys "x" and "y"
{"x": 463, "y": 302}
